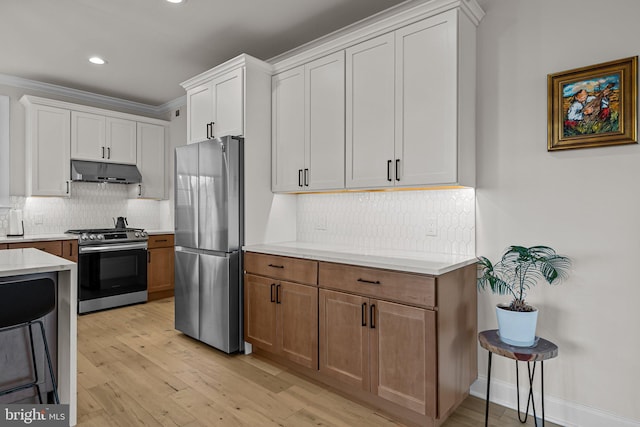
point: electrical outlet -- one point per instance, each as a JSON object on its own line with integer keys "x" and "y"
{"x": 38, "y": 218}
{"x": 321, "y": 223}
{"x": 431, "y": 226}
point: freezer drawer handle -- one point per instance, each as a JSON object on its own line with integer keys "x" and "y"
{"x": 377, "y": 282}
{"x": 276, "y": 266}
{"x": 273, "y": 285}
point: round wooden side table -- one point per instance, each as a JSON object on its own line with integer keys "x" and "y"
{"x": 539, "y": 352}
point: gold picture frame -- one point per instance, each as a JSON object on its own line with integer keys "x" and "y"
{"x": 592, "y": 106}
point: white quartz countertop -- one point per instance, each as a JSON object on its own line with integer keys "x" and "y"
{"x": 29, "y": 260}
{"x": 409, "y": 261}
{"x": 156, "y": 232}
{"x": 37, "y": 238}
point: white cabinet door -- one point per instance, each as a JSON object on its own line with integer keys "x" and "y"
{"x": 426, "y": 102}
{"x": 288, "y": 130}
{"x": 370, "y": 113}
{"x": 48, "y": 142}
{"x": 88, "y": 136}
{"x": 228, "y": 108}
{"x": 324, "y": 149}
{"x": 199, "y": 113}
{"x": 120, "y": 141}
{"x": 151, "y": 161}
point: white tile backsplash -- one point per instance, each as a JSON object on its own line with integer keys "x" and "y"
{"x": 92, "y": 205}
{"x": 396, "y": 220}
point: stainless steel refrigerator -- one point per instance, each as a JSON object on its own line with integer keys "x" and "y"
{"x": 209, "y": 236}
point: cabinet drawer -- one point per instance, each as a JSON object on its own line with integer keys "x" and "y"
{"x": 414, "y": 289}
{"x": 3, "y": 246}
{"x": 54, "y": 247}
{"x": 284, "y": 268}
{"x": 160, "y": 241}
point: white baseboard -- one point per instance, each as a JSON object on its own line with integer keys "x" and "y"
{"x": 558, "y": 411}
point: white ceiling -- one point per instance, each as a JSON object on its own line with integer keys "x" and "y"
{"x": 152, "y": 46}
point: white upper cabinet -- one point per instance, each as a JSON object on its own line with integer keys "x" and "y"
{"x": 409, "y": 107}
{"x": 216, "y": 107}
{"x": 151, "y": 161}
{"x": 370, "y": 118}
{"x": 100, "y": 138}
{"x": 426, "y": 102}
{"x": 308, "y": 126}
{"x": 288, "y": 130}
{"x": 47, "y": 150}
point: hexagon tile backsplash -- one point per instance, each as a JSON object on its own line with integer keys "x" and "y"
{"x": 434, "y": 221}
{"x": 91, "y": 205}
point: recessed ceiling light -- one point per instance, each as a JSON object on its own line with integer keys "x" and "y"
{"x": 97, "y": 60}
{"x": 175, "y": 1}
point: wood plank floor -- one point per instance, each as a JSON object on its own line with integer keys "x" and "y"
{"x": 135, "y": 369}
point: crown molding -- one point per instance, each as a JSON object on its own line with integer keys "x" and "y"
{"x": 382, "y": 22}
{"x": 84, "y": 96}
{"x": 242, "y": 60}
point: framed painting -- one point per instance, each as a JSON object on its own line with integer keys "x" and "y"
{"x": 592, "y": 106}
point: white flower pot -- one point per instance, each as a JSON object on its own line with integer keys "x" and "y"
{"x": 517, "y": 328}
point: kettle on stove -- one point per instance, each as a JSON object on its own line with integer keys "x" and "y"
{"x": 121, "y": 222}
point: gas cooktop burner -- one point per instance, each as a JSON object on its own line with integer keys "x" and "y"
{"x": 93, "y": 236}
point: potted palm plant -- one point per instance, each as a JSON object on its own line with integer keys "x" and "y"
{"x": 520, "y": 269}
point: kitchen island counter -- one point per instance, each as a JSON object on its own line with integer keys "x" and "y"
{"x": 18, "y": 262}
{"x": 408, "y": 261}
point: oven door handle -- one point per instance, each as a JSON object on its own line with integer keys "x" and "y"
{"x": 112, "y": 248}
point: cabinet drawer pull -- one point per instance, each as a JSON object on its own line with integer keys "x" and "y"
{"x": 397, "y": 169}
{"x": 364, "y": 314}
{"x": 70, "y": 249}
{"x": 377, "y": 282}
{"x": 161, "y": 240}
{"x": 276, "y": 266}
{"x": 272, "y": 298}
{"x": 372, "y": 316}
{"x": 389, "y": 170}
{"x": 278, "y": 295}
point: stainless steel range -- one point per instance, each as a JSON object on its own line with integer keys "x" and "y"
{"x": 112, "y": 267}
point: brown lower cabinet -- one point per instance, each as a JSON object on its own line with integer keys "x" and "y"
{"x": 67, "y": 249}
{"x": 403, "y": 342}
{"x": 160, "y": 266}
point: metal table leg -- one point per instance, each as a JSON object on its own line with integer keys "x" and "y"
{"x": 486, "y": 409}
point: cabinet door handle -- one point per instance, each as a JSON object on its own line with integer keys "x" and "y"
{"x": 278, "y": 295}
{"x": 377, "y": 282}
{"x": 67, "y": 187}
{"x": 103, "y": 152}
{"x": 397, "y": 169}
{"x": 139, "y": 190}
{"x": 108, "y": 152}
{"x": 389, "y": 170}
{"x": 372, "y": 316}
{"x": 276, "y": 266}
{"x": 364, "y": 314}
{"x": 70, "y": 249}
{"x": 273, "y": 286}
{"x": 299, "y": 177}
{"x": 149, "y": 257}
{"x": 208, "y": 130}
{"x": 306, "y": 177}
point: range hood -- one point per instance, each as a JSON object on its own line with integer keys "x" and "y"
{"x": 104, "y": 172}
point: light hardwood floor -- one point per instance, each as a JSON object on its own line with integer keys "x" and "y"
{"x": 135, "y": 369}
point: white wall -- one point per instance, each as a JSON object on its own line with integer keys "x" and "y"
{"x": 584, "y": 203}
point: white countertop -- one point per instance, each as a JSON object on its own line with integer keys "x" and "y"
{"x": 409, "y": 261}
{"x": 156, "y": 232}
{"x": 29, "y": 260}
{"x": 37, "y": 238}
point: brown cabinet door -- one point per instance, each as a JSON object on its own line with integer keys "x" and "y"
{"x": 54, "y": 247}
{"x": 70, "y": 250}
{"x": 403, "y": 356}
{"x": 160, "y": 269}
{"x": 297, "y": 320}
{"x": 344, "y": 337}
{"x": 260, "y": 311}
{"x": 3, "y": 246}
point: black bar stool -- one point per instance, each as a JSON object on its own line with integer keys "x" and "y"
{"x": 23, "y": 302}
